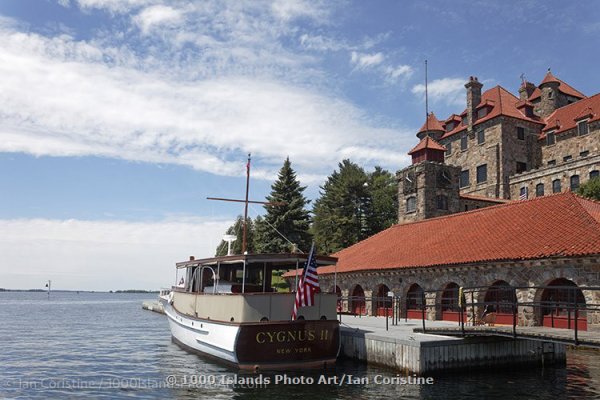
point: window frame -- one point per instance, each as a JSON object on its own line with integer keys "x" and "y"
{"x": 580, "y": 124}
{"x": 464, "y": 142}
{"x": 554, "y": 186}
{"x": 461, "y": 181}
{"x": 481, "y": 136}
{"x": 538, "y": 192}
{"x": 482, "y": 167}
{"x": 574, "y": 182}
{"x": 412, "y": 200}
{"x": 548, "y": 136}
{"x": 442, "y": 199}
{"x": 520, "y": 133}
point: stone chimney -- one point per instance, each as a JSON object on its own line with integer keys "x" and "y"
{"x": 526, "y": 90}
{"x": 473, "y": 100}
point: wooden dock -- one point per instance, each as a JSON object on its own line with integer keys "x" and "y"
{"x": 403, "y": 348}
{"x": 537, "y": 333}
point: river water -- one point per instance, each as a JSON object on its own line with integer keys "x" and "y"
{"x": 103, "y": 345}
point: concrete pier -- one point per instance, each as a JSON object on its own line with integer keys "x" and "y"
{"x": 366, "y": 339}
{"x": 153, "y": 306}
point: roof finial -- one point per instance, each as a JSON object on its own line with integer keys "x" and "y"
{"x": 522, "y": 78}
{"x": 549, "y": 69}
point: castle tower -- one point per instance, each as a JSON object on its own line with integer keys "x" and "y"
{"x": 550, "y": 95}
{"x": 432, "y": 128}
{"x": 428, "y": 188}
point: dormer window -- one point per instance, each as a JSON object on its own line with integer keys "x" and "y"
{"x": 449, "y": 126}
{"x": 464, "y": 120}
{"x": 482, "y": 112}
{"x": 582, "y": 127}
{"x": 550, "y": 139}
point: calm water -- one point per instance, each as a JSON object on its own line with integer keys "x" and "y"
{"x": 99, "y": 345}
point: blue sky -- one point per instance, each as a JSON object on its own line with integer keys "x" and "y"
{"x": 119, "y": 117}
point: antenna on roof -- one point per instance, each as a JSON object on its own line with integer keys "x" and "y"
{"x": 426, "y": 100}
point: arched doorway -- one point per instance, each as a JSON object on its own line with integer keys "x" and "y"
{"x": 449, "y": 303}
{"x": 358, "y": 301}
{"x": 382, "y": 302}
{"x": 414, "y": 302}
{"x": 499, "y": 299}
{"x": 558, "y": 305}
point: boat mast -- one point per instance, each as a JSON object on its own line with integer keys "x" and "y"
{"x": 246, "y": 202}
{"x": 244, "y": 237}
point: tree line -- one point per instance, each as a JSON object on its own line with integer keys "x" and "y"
{"x": 352, "y": 205}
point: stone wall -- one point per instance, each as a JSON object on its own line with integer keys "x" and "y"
{"x": 563, "y": 171}
{"x": 425, "y": 181}
{"x": 583, "y": 271}
{"x": 476, "y": 155}
{"x": 570, "y": 144}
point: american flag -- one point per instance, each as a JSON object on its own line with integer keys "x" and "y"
{"x": 523, "y": 194}
{"x": 308, "y": 284}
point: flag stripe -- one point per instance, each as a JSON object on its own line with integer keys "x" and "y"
{"x": 307, "y": 284}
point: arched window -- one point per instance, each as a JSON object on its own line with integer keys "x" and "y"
{"x": 539, "y": 189}
{"x": 556, "y": 186}
{"x": 574, "y": 183}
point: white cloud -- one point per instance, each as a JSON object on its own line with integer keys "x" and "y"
{"x": 290, "y": 9}
{"x": 446, "y": 90}
{"x": 116, "y": 6}
{"x": 399, "y": 72}
{"x": 364, "y": 61}
{"x": 158, "y": 15}
{"x": 101, "y": 255}
{"x": 60, "y": 97}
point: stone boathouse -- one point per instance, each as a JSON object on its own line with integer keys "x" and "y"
{"x": 547, "y": 241}
{"x": 487, "y": 203}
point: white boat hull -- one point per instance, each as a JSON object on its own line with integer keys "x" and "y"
{"x": 214, "y": 339}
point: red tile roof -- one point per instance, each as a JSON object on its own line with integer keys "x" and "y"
{"x": 563, "y": 87}
{"x": 427, "y": 143}
{"x": 501, "y": 102}
{"x": 565, "y": 118}
{"x": 560, "y": 225}
{"x": 432, "y": 124}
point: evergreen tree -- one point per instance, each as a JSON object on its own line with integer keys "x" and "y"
{"x": 383, "y": 192}
{"x": 340, "y": 213}
{"x": 290, "y": 219}
{"x": 353, "y": 206}
{"x": 590, "y": 189}
{"x": 237, "y": 229}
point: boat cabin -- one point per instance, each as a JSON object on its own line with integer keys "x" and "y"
{"x": 239, "y": 288}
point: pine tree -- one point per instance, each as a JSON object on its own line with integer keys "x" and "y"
{"x": 237, "y": 229}
{"x": 290, "y": 219}
{"x": 340, "y": 213}
{"x": 383, "y": 208}
{"x": 353, "y": 206}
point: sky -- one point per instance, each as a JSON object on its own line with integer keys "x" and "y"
{"x": 119, "y": 117}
